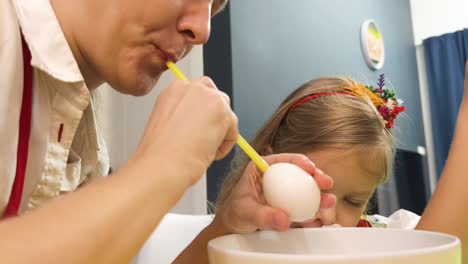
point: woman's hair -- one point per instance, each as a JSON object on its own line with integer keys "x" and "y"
{"x": 338, "y": 121}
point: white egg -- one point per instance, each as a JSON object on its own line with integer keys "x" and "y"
{"x": 288, "y": 187}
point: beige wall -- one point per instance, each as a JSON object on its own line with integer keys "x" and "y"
{"x": 437, "y": 17}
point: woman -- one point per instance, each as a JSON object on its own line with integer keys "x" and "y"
{"x": 53, "y": 146}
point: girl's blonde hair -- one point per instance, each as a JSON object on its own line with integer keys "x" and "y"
{"x": 338, "y": 121}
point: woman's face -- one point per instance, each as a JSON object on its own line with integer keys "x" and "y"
{"x": 356, "y": 177}
{"x": 130, "y": 46}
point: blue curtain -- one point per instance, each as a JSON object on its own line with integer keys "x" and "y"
{"x": 445, "y": 65}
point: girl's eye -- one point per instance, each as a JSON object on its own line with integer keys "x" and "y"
{"x": 354, "y": 203}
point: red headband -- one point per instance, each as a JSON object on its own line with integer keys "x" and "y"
{"x": 314, "y": 96}
{"x": 383, "y": 99}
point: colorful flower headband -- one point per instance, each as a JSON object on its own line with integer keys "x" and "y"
{"x": 384, "y": 100}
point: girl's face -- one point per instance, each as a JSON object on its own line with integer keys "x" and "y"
{"x": 356, "y": 175}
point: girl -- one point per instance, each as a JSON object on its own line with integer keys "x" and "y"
{"x": 344, "y": 128}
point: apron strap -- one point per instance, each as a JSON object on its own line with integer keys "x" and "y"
{"x": 24, "y": 132}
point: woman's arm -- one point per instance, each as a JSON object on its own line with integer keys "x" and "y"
{"x": 106, "y": 222}
{"x": 447, "y": 210}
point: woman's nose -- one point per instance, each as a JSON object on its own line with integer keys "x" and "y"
{"x": 196, "y": 27}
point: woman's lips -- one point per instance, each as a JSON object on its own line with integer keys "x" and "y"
{"x": 165, "y": 56}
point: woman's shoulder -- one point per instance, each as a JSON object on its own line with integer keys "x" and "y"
{"x": 10, "y": 52}
{"x": 8, "y": 22}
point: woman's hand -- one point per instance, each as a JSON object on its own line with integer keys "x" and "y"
{"x": 192, "y": 124}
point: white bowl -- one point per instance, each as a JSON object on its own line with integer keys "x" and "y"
{"x": 336, "y": 246}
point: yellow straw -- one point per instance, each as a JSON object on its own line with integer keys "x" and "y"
{"x": 241, "y": 142}
{"x": 174, "y": 69}
{"x": 253, "y": 155}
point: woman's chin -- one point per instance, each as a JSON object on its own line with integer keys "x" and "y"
{"x": 137, "y": 87}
